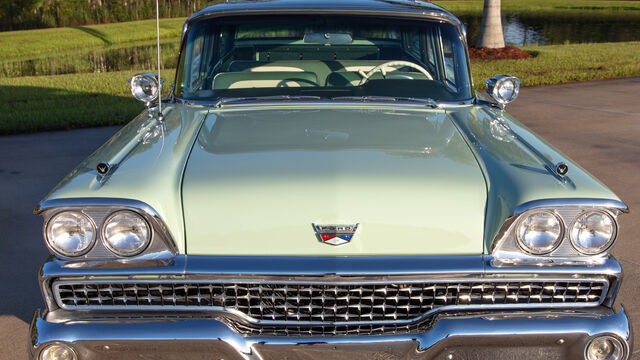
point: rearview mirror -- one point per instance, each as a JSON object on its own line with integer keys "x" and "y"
{"x": 327, "y": 38}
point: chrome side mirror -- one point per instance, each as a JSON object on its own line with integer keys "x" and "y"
{"x": 503, "y": 89}
{"x": 145, "y": 87}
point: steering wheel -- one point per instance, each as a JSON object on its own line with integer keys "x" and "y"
{"x": 382, "y": 68}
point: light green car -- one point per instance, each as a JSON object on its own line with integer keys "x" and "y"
{"x": 324, "y": 183}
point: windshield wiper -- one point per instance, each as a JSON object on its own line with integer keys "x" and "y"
{"x": 428, "y": 101}
{"x": 224, "y": 101}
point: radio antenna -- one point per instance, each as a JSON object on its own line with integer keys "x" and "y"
{"x": 159, "y": 81}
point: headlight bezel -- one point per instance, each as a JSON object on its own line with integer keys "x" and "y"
{"x": 506, "y": 249}
{"x": 161, "y": 245}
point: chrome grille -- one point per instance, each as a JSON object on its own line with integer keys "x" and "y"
{"x": 322, "y": 303}
{"x": 325, "y": 330}
{"x": 330, "y": 330}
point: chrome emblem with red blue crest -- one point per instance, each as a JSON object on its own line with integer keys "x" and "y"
{"x": 335, "y": 234}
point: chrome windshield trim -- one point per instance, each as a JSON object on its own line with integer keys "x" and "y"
{"x": 430, "y": 14}
{"x": 578, "y": 202}
{"x": 426, "y": 101}
{"x": 313, "y": 100}
{"x": 275, "y": 98}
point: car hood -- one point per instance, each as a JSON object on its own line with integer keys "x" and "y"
{"x": 256, "y": 181}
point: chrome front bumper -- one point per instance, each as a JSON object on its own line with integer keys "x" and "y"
{"x": 484, "y": 333}
{"x": 546, "y": 335}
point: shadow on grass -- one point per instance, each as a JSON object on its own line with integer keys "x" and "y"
{"x": 27, "y": 109}
{"x": 533, "y": 53}
{"x": 95, "y": 33}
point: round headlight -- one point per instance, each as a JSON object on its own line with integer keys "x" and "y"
{"x": 70, "y": 233}
{"x": 539, "y": 232}
{"x": 126, "y": 233}
{"x": 593, "y": 232}
{"x": 503, "y": 89}
{"x": 144, "y": 87}
{"x": 605, "y": 348}
{"x": 58, "y": 352}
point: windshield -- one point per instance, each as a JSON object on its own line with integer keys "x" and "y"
{"x": 323, "y": 56}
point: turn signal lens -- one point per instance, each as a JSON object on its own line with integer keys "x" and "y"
{"x": 605, "y": 348}
{"x": 540, "y": 232}
{"x": 70, "y": 233}
{"x": 126, "y": 233}
{"x": 58, "y": 352}
{"x": 593, "y": 232}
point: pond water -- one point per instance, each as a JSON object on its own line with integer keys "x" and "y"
{"x": 522, "y": 30}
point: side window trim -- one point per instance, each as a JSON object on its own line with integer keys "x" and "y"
{"x": 439, "y": 54}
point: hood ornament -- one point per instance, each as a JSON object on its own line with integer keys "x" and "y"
{"x": 103, "y": 168}
{"x": 335, "y": 234}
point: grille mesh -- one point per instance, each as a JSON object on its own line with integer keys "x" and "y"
{"x": 323, "y": 303}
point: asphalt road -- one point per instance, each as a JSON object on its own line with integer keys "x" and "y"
{"x": 595, "y": 123}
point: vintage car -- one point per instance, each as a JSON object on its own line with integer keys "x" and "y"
{"x": 323, "y": 182}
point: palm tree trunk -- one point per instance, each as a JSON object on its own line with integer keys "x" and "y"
{"x": 491, "y": 35}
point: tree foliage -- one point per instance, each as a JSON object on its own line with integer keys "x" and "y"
{"x": 30, "y": 14}
{"x": 12, "y": 12}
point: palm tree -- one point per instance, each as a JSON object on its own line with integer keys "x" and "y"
{"x": 491, "y": 35}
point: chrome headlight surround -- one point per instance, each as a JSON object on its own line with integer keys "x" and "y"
{"x": 160, "y": 244}
{"x": 507, "y": 248}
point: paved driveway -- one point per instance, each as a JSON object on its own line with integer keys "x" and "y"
{"x": 596, "y": 123}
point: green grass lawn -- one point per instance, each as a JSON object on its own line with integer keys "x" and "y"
{"x": 83, "y": 100}
{"x": 555, "y": 64}
{"x": 42, "y": 43}
{"x": 95, "y": 48}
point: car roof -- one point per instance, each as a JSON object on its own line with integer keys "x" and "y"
{"x": 388, "y": 7}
